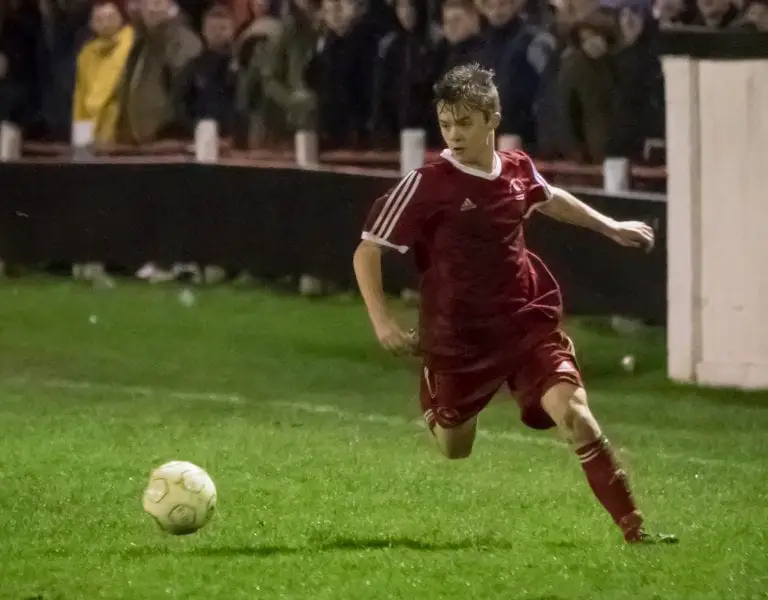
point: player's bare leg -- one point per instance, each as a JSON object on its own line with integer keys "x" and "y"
{"x": 567, "y": 405}
{"x": 455, "y": 442}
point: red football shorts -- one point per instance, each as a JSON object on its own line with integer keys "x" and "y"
{"x": 449, "y": 398}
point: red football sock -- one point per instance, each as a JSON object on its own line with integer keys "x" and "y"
{"x": 610, "y": 485}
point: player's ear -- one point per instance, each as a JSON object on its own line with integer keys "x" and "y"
{"x": 494, "y": 120}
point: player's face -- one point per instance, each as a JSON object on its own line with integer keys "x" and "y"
{"x": 466, "y": 131}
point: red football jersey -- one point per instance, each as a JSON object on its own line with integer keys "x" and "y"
{"x": 481, "y": 289}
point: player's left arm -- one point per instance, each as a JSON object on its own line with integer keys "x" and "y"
{"x": 564, "y": 206}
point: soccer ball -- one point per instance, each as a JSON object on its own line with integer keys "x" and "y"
{"x": 180, "y": 496}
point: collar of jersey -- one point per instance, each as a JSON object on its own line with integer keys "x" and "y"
{"x": 448, "y": 155}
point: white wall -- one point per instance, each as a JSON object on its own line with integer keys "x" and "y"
{"x": 717, "y": 157}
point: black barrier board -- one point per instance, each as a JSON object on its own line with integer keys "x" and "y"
{"x": 278, "y": 222}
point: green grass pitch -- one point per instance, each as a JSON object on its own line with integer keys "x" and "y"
{"x": 328, "y": 486}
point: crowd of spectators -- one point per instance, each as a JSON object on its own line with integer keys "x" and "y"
{"x": 578, "y": 79}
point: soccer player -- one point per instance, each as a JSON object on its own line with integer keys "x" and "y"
{"x": 490, "y": 312}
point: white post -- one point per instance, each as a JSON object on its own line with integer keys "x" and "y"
{"x": 509, "y": 142}
{"x": 207, "y": 141}
{"x": 684, "y": 235}
{"x": 82, "y": 134}
{"x": 82, "y": 139}
{"x": 732, "y": 227}
{"x": 616, "y": 175}
{"x": 10, "y": 141}
{"x": 413, "y": 144}
{"x": 717, "y": 139}
{"x": 307, "y": 149}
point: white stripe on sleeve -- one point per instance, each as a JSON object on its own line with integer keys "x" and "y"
{"x": 540, "y": 180}
{"x": 395, "y": 205}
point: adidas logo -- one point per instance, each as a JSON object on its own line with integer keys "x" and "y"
{"x": 565, "y": 367}
{"x": 468, "y": 205}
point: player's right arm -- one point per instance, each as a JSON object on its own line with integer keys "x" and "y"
{"x": 394, "y": 223}
{"x": 367, "y": 263}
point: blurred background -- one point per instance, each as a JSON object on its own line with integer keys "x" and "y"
{"x": 580, "y": 80}
{"x": 277, "y": 81}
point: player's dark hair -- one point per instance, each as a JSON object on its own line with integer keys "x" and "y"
{"x": 470, "y": 86}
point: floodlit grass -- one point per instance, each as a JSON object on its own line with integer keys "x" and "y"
{"x": 328, "y": 487}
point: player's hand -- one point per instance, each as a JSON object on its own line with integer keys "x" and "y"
{"x": 633, "y": 234}
{"x": 393, "y": 338}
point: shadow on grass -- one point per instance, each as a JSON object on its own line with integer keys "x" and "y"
{"x": 334, "y": 545}
{"x": 245, "y": 550}
{"x": 409, "y": 544}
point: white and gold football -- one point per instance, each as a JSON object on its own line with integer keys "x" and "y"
{"x": 180, "y": 496}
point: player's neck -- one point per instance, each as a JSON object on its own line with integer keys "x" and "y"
{"x": 483, "y": 161}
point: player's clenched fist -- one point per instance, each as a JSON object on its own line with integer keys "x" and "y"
{"x": 392, "y": 337}
{"x": 634, "y": 234}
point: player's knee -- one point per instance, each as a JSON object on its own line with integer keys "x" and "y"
{"x": 567, "y": 405}
{"x": 582, "y": 428}
{"x": 455, "y": 443}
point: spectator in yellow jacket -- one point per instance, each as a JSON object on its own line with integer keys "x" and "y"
{"x": 100, "y": 69}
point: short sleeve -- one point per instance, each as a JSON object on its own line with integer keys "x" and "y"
{"x": 395, "y": 219}
{"x": 538, "y": 191}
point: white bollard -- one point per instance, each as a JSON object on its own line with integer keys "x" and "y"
{"x": 307, "y": 148}
{"x": 413, "y": 144}
{"x": 82, "y": 134}
{"x": 10, "y": 141}
{"x": 616, "y": 175}
{"x": 82, "y": 139}
{"x": 207, "y": 141}
{"x": 508, "y": 143}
